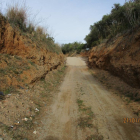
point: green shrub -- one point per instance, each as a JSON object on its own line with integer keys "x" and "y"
{"x": 120, "y": 19}
{"x": 31, "y": 28}
{"x": 71, "y": 47}
{"x": 95, "y": 43}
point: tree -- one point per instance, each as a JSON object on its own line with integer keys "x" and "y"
{"x": 120, "y": 18}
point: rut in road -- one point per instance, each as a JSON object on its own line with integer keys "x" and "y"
{"x": 81, "y": 91}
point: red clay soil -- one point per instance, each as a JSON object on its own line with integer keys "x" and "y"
{"x": 26, "y": 60}
{"x": 23, "y": 64}
{"x": 120, "y": 56}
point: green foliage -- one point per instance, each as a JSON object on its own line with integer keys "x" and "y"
{"x": 93, "y": 35}
{"x": 10, "y": 89}
{"x": 120, "y": 19}
{"x": 71, "y": 47}
{"x": 86, "y": 121}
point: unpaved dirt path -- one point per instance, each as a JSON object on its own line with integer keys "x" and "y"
{"x": 61, "y": 120}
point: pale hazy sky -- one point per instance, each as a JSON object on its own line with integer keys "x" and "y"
{"x": 67, "y": 20}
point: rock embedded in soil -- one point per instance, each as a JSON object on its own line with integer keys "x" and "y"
{"x": 1, "y": 93}
{"x": 2, "y": 96}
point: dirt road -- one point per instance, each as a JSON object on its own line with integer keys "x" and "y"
{"x": 84, "y": 109}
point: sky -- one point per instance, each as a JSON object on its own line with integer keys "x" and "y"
{"x": 66, "y": 20}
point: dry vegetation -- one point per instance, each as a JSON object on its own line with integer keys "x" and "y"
{"x": 18, "y": 17}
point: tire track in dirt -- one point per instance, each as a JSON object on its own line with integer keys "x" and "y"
{"x": 61, "y": 120}
{"x": 110, "y": 112}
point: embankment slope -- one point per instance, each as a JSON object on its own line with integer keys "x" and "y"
{"x": 121, "y": 57}
{"x": 22, "y": 61}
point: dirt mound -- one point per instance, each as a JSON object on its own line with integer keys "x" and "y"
{"x": 119, "y": 55}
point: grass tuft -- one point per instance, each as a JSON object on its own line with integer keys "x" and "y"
{"x": 85, "y": 121}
